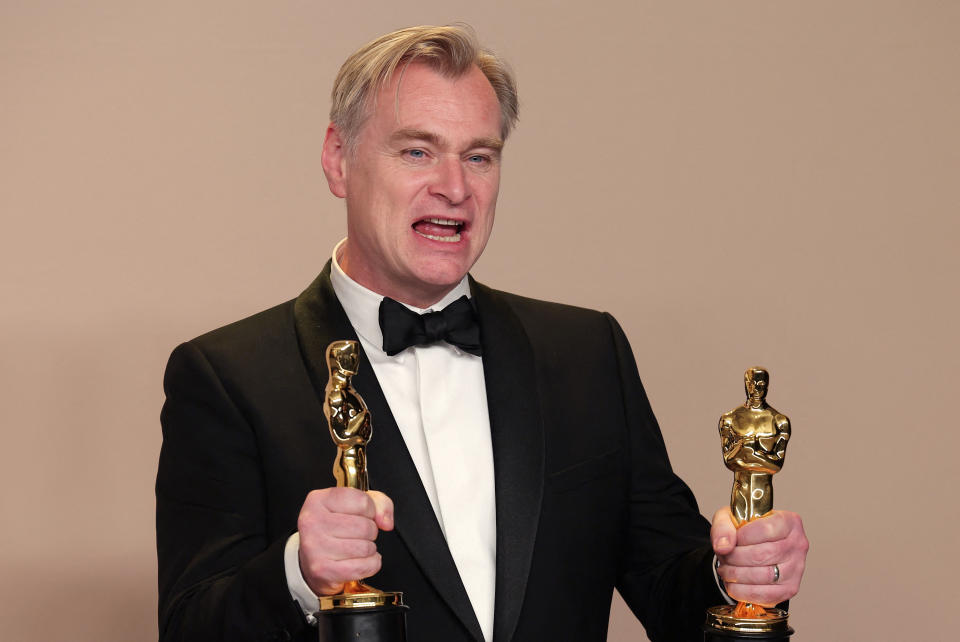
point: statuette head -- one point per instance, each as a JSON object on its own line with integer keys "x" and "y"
{"x": 756, "y": 380}
{"x": 343, "y": 357}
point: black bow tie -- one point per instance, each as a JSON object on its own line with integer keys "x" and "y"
{"x": 456, "y": 324}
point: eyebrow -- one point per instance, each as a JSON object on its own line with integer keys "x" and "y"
{"x": 434, "y": 139}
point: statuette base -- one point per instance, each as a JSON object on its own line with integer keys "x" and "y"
{"x": 363, "y": 617}
{"x": 722, "y": 626}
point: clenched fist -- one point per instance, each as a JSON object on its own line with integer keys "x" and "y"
{"x": 338, "y": 529}
{"x": 762, "y": 562}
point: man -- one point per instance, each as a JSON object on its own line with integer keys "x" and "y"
{"x": 519, "y": 476}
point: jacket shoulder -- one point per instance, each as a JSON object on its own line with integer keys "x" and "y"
{"x": 265, "y": 326}
{"x": 249, "y": 343}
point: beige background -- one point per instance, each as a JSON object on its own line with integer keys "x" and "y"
{"x": 740, "y": 182}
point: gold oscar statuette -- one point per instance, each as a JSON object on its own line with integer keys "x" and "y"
{"x": 372, "y": 614}
{"x": 753, "y": 437}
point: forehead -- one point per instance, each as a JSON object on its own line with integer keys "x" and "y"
{"x": 419, "y": 97}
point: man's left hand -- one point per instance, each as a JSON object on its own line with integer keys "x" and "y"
{"x": 751, "y": 555}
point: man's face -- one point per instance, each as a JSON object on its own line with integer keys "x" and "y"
{"x": 421, "y": 185}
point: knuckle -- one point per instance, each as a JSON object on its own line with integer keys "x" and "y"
{"x": 342, "y": 493}
{"x": 798, "y": 574}
{"x": 361, "y": 568}
{"x": 316, "y": 497}
{"x": 374, "y": 565}
{"x": 340, "y": 496}
{"x": 317, "y": 568}
{"x": 766, "y": 530}
{"x": 366, "y": 505}
{"x": 306, "y": 526}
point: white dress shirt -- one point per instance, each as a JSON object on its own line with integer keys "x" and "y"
{"x": 437, "y": 396}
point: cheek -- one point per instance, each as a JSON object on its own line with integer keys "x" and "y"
{"x": 485, "y": 190}
{"x": 489, "y": 209}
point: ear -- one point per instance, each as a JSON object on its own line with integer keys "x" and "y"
{"x": 334, "y": 160}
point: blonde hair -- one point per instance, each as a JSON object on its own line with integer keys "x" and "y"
{"x": 450, "y": 51}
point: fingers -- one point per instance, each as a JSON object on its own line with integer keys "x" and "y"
{"x": 773, "y": 526}
{"x": 748, "y": 569}
{"x": 342, "y": 527}
{"x": 343, "y": 500}
{"x": 766, "y": 595}
{"x": 754, "y": 575}
{"x": 338, "y": 528}
{"x": 723, "y": 532}
{"x": 766, "y": 554}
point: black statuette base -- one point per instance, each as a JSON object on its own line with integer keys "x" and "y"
{"x": 376, "y": 624}
{"x": 715, "y": 635}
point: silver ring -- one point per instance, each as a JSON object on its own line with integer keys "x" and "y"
{"x": 776, "y": 573}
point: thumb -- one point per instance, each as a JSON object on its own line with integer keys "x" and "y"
{"x": 383, "y": 506}
{"x": 723, "y": 532}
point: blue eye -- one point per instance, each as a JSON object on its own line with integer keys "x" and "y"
{"x": 415, "y": 153}
{"x": 477, "y": 158}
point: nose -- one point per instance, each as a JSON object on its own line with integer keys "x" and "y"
{"x": 450, "y": 180}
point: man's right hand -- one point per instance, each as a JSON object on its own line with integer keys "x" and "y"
{"x": 338, "y": 527}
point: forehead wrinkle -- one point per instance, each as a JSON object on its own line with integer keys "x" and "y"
{"x": 394, "y": 85}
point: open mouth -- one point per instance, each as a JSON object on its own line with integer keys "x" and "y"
{"x": 439, "y": 229}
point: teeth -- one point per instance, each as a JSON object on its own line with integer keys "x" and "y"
{"x": 443, "y": 221}
{"x": 453, "y": 238}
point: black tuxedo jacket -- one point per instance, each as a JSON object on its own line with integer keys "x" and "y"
{"x": 586, "y": 499}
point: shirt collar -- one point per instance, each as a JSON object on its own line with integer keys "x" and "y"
{"x": 362, "y": 305}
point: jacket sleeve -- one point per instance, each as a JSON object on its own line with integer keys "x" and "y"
{"x": 665, "y": 573}
{"x": 219, "y": 576}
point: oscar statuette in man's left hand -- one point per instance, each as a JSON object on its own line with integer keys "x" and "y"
{"x": 753, "y": 437}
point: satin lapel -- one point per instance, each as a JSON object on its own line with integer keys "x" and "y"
{"x": 320, "y": 319}
{"x": 518, "y": 450}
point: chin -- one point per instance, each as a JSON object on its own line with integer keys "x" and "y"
{"x": 443, "y": 273}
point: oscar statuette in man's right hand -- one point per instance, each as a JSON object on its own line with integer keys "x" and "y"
{"x": 360, "y": 613}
